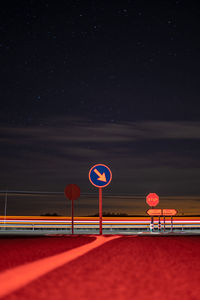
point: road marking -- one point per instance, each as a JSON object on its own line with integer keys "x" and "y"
{"x": 16, "y": 278}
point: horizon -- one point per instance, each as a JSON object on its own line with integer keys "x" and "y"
{"x": 87, "y": 204}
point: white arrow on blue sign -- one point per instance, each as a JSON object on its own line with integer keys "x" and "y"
{"x": 100, "y": 175}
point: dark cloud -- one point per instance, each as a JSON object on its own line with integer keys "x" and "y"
{"x": 142, "y": 155}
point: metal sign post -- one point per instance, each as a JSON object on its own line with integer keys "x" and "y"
{"x": 159, "y": 224}
{"x": 152, "y": 224}
{"x": 100, "y": 211}
{"x": 72, "y": 215}
{"x": 164, "y": 222}
{"x": 5, "y": 209}
{"x": 72, "y": 192}
{"x": 171, "y": 223}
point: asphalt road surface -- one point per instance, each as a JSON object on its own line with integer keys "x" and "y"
{"x": 110, "y": 267}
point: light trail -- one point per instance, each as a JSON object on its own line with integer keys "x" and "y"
{"x": 93, "y": 222}
{"x": 18, "y": 277}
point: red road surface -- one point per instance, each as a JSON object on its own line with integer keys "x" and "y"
{"x": 126, "y": 268}
{"x": 20, "y": 250}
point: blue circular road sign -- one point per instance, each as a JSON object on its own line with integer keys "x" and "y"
{"x": 100, "y": 175}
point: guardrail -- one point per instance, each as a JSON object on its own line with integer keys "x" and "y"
{"x": 45, "y": 223}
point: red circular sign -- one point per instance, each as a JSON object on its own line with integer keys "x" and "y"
{"x": 72, "y": 191}
{"x": 152, "y": 199}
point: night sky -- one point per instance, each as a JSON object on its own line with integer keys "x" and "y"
{"x": 113, "y": 82}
